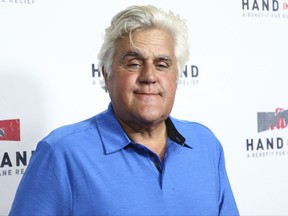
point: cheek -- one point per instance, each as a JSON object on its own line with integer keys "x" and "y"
{"x": 170, "y": 84}
{"x": 126, "y": 82}
{"x": 170, "y": 90}
{"x": 121, "y": 84}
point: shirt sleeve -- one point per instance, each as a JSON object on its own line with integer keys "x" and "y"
{"x": 227, "y": 203}
{"x": 44, "y": 188}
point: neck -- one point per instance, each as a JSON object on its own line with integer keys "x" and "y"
{"x": 152, "y": 136}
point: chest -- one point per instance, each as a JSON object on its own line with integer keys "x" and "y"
{"x": 129, "y": 183}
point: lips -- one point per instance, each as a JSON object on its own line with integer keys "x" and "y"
{"x": 146, "y": 93}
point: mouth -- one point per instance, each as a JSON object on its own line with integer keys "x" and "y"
{"x": 146, "y": 93}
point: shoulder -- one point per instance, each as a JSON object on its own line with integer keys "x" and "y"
{"x": 80, "y": 135}
{"x": 190, "y": 127}
{"x": 196, "y": 134}
{"x": 67, "y": 142}
{"x": 71, "y": 131}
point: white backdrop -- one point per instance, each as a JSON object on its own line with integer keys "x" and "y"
{"x": 238, "y": 68}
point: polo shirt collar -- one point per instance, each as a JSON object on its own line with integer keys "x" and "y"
{"x": 114, "y": 137}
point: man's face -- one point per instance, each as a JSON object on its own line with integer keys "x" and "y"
{"x": 143, "y": 82}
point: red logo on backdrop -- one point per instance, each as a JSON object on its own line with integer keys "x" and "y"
{"x": 10, "y": 130}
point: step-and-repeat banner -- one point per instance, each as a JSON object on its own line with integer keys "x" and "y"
{"x": 235, "y": 83}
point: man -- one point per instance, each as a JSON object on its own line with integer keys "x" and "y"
{"x": 133, "y": 158}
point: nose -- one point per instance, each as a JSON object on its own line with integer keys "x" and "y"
{"x": 148, "y": 75}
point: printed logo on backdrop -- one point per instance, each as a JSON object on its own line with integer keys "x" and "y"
{"x": 277, "y": 9}
{"x": 10, "y": 130}
{"x": 22, "y": 2}
{"x": 189, "y": 77}
{"x": 272, "y": 137}
{"x": 12, "y": 164}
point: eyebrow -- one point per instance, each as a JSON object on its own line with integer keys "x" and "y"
{"x": 165, "y": 58}
{"x": 131, "y": 54}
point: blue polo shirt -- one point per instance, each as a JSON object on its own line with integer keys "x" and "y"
{"x": 93, "y": 168}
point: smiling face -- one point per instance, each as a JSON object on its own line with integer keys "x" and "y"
{"x": 143, "y": 81}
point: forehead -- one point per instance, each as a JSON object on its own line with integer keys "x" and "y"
{"x": 147, "y": 42}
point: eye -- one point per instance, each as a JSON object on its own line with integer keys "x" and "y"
{"x": 134, "y": 64}
{"x": 161, "y": 66}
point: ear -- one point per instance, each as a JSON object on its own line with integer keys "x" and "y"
{"x": 105, "y": 75}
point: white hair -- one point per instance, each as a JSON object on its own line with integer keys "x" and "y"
{"x": 139, "y": 17}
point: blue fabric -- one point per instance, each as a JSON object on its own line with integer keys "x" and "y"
{"x": 92, "y": 168}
